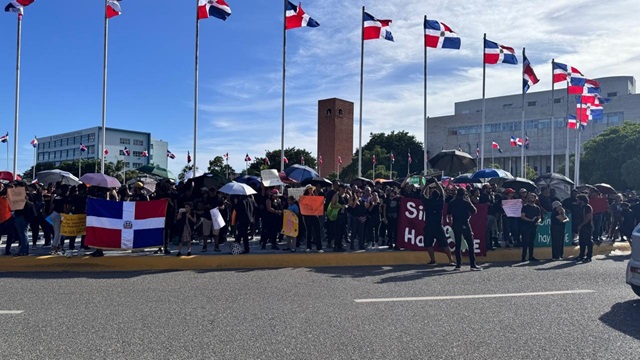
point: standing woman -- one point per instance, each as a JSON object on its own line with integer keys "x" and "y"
{"x": 58, "y": 204}
{"x": 585, "y": 229}
{"x": 390, "y": 217}
{"x": 273, "y": 206}
{"x": 312, "y": 225}
{"x": 558, "y": 221}
{"x": 373, "y": 223}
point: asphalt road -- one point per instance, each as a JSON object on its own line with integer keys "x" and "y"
{"x": 312, "y": 314}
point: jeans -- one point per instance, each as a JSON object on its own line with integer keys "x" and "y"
{"x": 584, "y": 240}
{"x": 392, "y": 230}
{"x": 597, "y": 227}
{"x": 509, "y": 229}
{"x": 557, "y": 241}
{"x": 7, "y": 228}
{"x": 528, "y": 231}
{"x": 459, "y": 231}
{"x": 340, "y": 230}
{"x": 57, "y": 221}
{"x": 21, "y": 225}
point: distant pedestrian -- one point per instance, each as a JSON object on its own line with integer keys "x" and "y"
{"x": 186, "y": 221}
{"x": 558, "y": 223}
{"x": 530, "y": 217}
{"x": 585, "y": 229}
{"x": 459, "y": 212}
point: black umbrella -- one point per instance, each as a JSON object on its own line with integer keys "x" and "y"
{"x": 586, "y": 188}
{"x": 316, "y": 181}
{"x": 465, "y": 179}
{"x": 520, "y": 183}
{"x": 362, "y": 182}
{"x": 250, "y": 180}
{"x": 452, "y": 161}
{"x": 606, "y": 189}
{"x": 559, "y": 182}
{"x": 208, "y": 180}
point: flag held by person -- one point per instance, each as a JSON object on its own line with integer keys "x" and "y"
{"x": 529, "y": 76}
{"x": 17, "y": 6}
{"x": 113, "y": 9}
{"x": 213, "y": 8}
{"x": 376, "y": 29}
{"x": 495, "y": 53}
{"x": 439, "y": 35}
{"x": 125, "y": 225}
{"x": 296, "y": 17}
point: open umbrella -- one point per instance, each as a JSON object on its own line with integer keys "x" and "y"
{"x": 520, "y": 183}
{"x": 236, "y": 188}
{"x": 491, "y": 174}
{"x": 299, "y": 172}
{"x": 606, "y": 189}
{"x": 317, "y": 181}
{"x": 362, "y": 182}
{"x": 208, "y": 180}
{"x": 452, "y": 161}
{"x": 250, "y": 180}
{"x": 100, "y": 180}
{"x": 465, "y": 179}
{"x": 52, "y": 176}
{"x": 559, "y": 182}
{"x": 190, "y": 174}
{"x": 148, "y": 183}
{"x": 156, "y": 171}
{"x": 586, "y": 188}
{"x": 393, "y": 183}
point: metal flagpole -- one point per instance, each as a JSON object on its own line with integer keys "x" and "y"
{"x": 493, "y": 155}
{"x": 522, "y": 160}
{"x": 104, "y": 87}
{"x": 361, "y": 82}
{"x": 373, "y": 169}
{"x": 17, "y": 102}
{"x": 484, "y": 103}
{"x": 553, "y": 100}
{"x": 425, "y": 100}
{"x": 7, "y": 153}
{"x": 576, "y": 158}
{"x": 284, "y": 77}
{"x": 566, "y": 155}
{"x": 195, "y": 90}
{"x": 391, "y": 169}
{"x": 35, "y": 161}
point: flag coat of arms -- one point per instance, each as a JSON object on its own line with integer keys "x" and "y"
{"x": 439, "y": 35}
{"x": 213, "y": 8}
{"x": 495, "y": 53}
{"x": 17, "y": 6}
{"x": 296, "y": 17}
{"x": 564, "y": 72}
{"x": 125, "y": 225}
{"x": 113, "y": 8}
{"x": 376, "y": 29}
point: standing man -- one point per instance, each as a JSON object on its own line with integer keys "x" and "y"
{"x": 433, "y": 203}
{"x": 245, "y": 208}
{"x": 585, "y": 229}
{"x": 530, "y": 218}
{"x": 459, "y": 212}
{"x": 558, "y": 221}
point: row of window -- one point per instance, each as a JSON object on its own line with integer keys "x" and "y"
{"x": 127, "y": 141}
{"x": 613, "y": 118}
{"x": 74, "y": 140}
{"x": 68, "y": 154}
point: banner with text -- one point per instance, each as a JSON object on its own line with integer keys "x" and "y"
{"x": 544, "y": 232}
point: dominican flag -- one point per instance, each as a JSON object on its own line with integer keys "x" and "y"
{"x": 106, "y": 151}
{"x": 477, "y": 151}
{"x": 564, "y": 72}
{"x": 301, "y": 159}
{"x": 170, "y": 155}
{"x": 34, "y": 142}
{"x": 589, "y": 110}
{"x": 125, "y": 225}
{"x": 226, "y": 156}
{"x": 213, "y": 8}
{"x": 144, "y": 154}
{"x": 266, "y": 161}
{"x": 495, "y": 145}
{"x": 393, "y": 158}
{"x": 296, "y": 17}
{"x": 188, "y": 157}
{"x": 374, "y": 159}
{"x": 247, "y": 158}
{"x": 4, "y": 138}
{"x": 516, "y": 141}
{"x": 529, "y": 76}
{"x": 113, "y": 8}
{"x": 409, "y": 159}
{"x": 320, "y": 160}
{"x": 340, "y": 160}
{"x": 126, "y": 151}
{"x": 583, "y": 86}
{"x": 439, "y": 35}
{"x": 572, "y": 123}
{"x": 286, "y": 161}
{"x": 376, "y": 29}
{"x": 83, "y": 148}
{"x": 495, "y": 53}
{"x": 17, "y": 6}
{"x": 526, "y": 141}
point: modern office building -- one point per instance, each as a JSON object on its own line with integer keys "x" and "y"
{"x": 503, "y": 120}
{"x": 335, "y": 134}
{"x": 67, "y": 147}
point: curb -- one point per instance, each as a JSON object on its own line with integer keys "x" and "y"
{"x": 51, "y": 263}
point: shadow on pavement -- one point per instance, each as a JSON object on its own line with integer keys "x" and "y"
{"x": 624, "y": 317}
{"x": 84, "y": 275}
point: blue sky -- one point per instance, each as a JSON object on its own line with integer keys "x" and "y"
{"x": 151, "y": 59}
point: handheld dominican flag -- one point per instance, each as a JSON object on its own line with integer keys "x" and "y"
{"x": 144, "y": 153}
{"x": 4, "y": 138}
{"x": 34, "y": 142}
{"x": 170, "y": 155}
{"x": 495, "y": 145}
{"x": 296, "y": 17}
{"x": 286, "y": 161}
{"x": 583, "y": 86}
{"x": 564, "y": 72}
{"x": 340, "y": 160}
{"x": 247, "y": 158}
{"x": 495, "y": 53}
{"x": 409, "y": 159}
{"x": 188, "y": 157}
{"x": 374, "y": 159}
{"x": 17, "y": 6}
{"x": 572, "y": 123}
{"x": 125, "y": 225}
{"x": 83, "y": 148}
{"x": 106, "y": 151}
{"x": 113, "y": 8}
{"x": 320, "y": 159}
{"x": 213, "y": 8}
{"x": 439, "y": 35}
{"x": 376, "y": 29}
{"x": 529, "y": 76}
{"x": 393, "y": 158}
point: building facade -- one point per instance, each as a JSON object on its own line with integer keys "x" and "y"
{"x": 335, "y": 134}
{"x": 67, "y": 147}
{"x": 504, "y": 116}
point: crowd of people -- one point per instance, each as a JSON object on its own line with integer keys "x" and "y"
{"x": 355, "y": 217}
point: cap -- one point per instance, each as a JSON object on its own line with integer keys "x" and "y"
{"x": 275, "y": 192}
{"x": 555, "y": 204}
{"x": 509, "y": 191}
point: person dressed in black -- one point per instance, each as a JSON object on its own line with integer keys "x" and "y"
{"x": 433, "y": 203}
{"x": 459, "y": 212}
{"x": 245, "y": 208}
{"x": 530, "y": 217}
{"x": 558, "y": 221}
{"x": 390, "y": 217}
{"x": 585, "y": 229}
{"x": 340, "y": 201}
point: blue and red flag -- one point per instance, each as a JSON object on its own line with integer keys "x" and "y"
{"x": 296, "y": 17}
{"x": 495, "y": 145}
{"x": 126, "y": 151}
{"x": 170, "y": 155}
{"x": 144, "y": 154}
{"x": 17, "y": 6}
{"x": 213, "y": 8}
{"x": 125, "y": 225}
{"x": 572, "y": 123}
{"x": 34, "y": 142}
{"x": 376, "y": 29}
{"x": 82, "y": 148}
{"x": 113, "y": 8}
{"x": 529, "y": 76}
{"x": 588, "y": 108}
{"x": 564, "y": 72}
{"x": 439, "y": 35}
{"x": 495, "y": 53}
{"x": 526, "y": 141}
{"x": 583, "y": 86}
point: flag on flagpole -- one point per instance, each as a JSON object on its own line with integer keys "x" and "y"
{"x": 296, "y": 17}
{"x": 496, "y": 146}
{"x": 266, "y": 161}
{"x": 247, "y": 157}
{"x": 106, "y": 151}
{"x": 83, "y": 148}
{"x": 213, "y": 8}
{"x": 113, "y": 8}
{"x": 34, "y": 142}
{"x": 477, "y": 151}
{"x": 526, "y": 141}
{"x": 301, "y": 159}
{"x": 572, "y": 123}
{"x": 409, "y": 159}
{"x": 393, "y": 158}
{"x": 286, "y": 161}
{"x": 495, "y": 53}
{"x": 439, "y": 35}
{"x": 529, "y": 76}
{"x": 340, "y": 160}
{"x": 17, "y": 6}
{"x": 126, "y": 151}
{"x": 188, "y": 157}
{"x": 564, "y": 72}
{"x": 588, "y": 86}
{"x": 376, "y": 29}
{"x": 226, "y": 156}
{"x": 373, "y": 159}
{"x": 320, "y": 160}
{"x": 144, "y": 154}
{"x": 170, "y": 155}
{"x": 4, "y": 138}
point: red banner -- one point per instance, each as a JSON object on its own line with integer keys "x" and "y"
{"x": 411, "y": 219}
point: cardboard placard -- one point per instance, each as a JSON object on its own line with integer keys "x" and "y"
{"x": 513, "y": 208}
{"x": 17, "y": 198}
{"x": 311, "y": 205}
{"x": 290, "y": 224}
{"x": 270, "y": 178}
{"x": 73, "y": 224}
{"x": 216, "y": 218}
{"x": 295, "y": 192}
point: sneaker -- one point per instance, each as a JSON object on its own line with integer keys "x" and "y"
{"x": 432, "y": 263}
{"x": 321, "y": 251}
{"x": 97, "y": 253}
{"x": 475, "y": 268}
{"x": 457, "y": 268}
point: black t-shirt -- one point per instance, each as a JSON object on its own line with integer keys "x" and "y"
{"x": 79, "y": 203}
{"x": 461, "y": 210}
{"x": 545, "y": 203}
{"x": 554, "y": 219}
{"x": 59, "y": 202}
{"x": 433, "y": 209}
{"x": 530, "y": 211}
{"x": 414, "y": 194}
{"x": 392, "y": 206}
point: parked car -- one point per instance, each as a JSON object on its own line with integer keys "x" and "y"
{"x": 633, "y": 268}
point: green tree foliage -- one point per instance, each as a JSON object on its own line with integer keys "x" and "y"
{"x": 292, "y": 154}
{"x": 217, "y": 166}
{"x": 611, "y": 156}
{"x": 531, "y": 174}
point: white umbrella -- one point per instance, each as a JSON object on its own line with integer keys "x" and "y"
{"x": 236, "y": 188}
{"x": 53, "y": 176}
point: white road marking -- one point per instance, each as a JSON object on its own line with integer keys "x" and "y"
{"x": 459, "y": 297}
{"x": 11, "y": 312}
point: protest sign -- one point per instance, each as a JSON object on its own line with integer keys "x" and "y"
{"x": 290, "y": 224}
{"x": 216, "y": 218}
{"x": 17, "y": 198}
{"x": 295, "y": 192}
{"x": 73, "y": 225}
{"x": 513, "y": 208}
{"x": 270, "y": 178}
{"x": 411, "y": 227}
{"x": 311, "y": 205}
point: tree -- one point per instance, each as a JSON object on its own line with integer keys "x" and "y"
{"x": 610, "y": 156}
{"x": 218, "y": 167}
{"x": 184, "y": 171}
{"x": 292, "y": 154}
{"x": 530, "y": 173}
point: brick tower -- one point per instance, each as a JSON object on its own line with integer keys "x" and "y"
{"x": 335, "y": 134}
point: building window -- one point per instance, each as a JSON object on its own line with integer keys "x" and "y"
{"x": 339, "y": 111}
{"x": 612, "y": 94}
{"x": 531, "y": 103}
{"x": 126, "y": 164}
{"x": 138, "y": 142}
{"x": 92, "y": 137}
{"x": 137, "y": 165}
{"x": 137, "y": 153}
{"x": 125, "y": 141}
{"x": 329, "y": 112}
{"x": 557, "y": 101}
{"x": 507, "y": 106}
